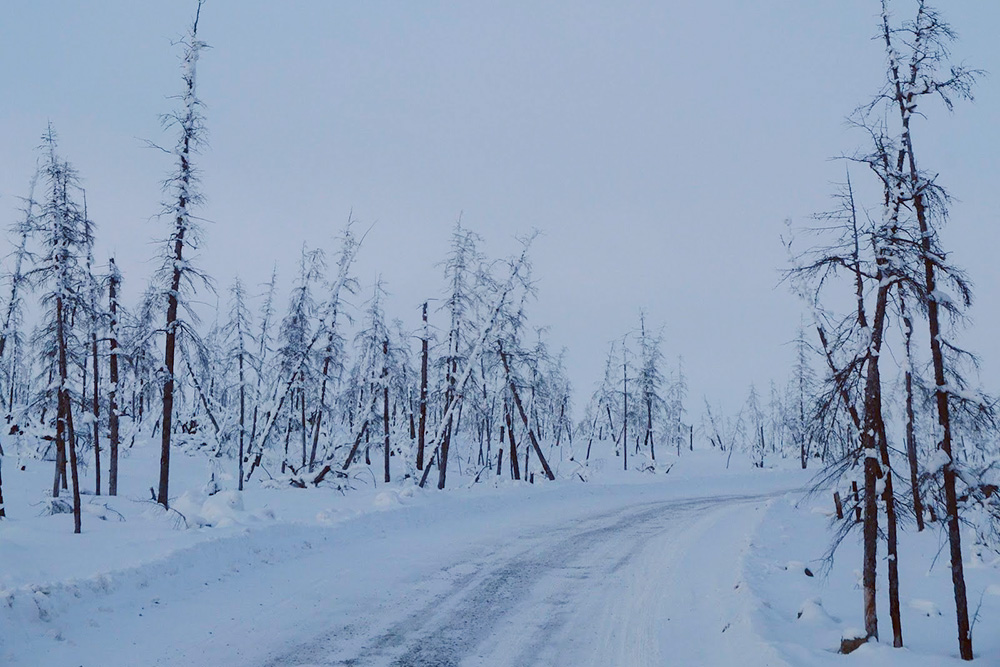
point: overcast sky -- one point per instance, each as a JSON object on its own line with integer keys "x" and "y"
{"x": 659, "y": 147}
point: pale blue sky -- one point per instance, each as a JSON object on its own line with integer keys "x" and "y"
{"x": 658, "y": 145}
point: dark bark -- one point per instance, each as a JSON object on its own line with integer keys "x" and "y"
{"x": 318, "y": 415}
{"x": 524, "y": 416}
{"x": 169, "y": 353}
{"x": 357, "y": 443}
{"x": 385, "y": 406}
{"x": 515, "y": 470}
{"x": 892, "y": 542}
{"x": 97, "y": 413}
{"x": 624, "y": 408}
{"x": 857, "y": 502}
{"x": 875, "y": 448}
{"x": 443, "y": 455}
{"x": 64, "y": 416}
{"x": 243, "y": 412}
{"x": 649, "y": 429}
{"x": 113, "y": 393}
{"x": 302, "y": 420}
{"x": 422, "y": 427}
{"x": 186, "y": 180}
{"x": 906, "y": 104}
{"x": 911, "y": 440}
{"x": 203, "y": 397}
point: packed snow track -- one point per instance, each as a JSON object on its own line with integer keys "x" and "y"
{"x": 653, "y": 584}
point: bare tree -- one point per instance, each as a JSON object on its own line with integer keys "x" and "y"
{"x": 114, "y": 281}
{"x": 177, "y": 271}
{"x": 917, "y": 51}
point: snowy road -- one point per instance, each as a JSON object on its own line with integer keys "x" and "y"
{"x": 616, "y": 575}
{"x": 653, "y": 584}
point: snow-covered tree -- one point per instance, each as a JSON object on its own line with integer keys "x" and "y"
{"x": 62, "y": 232}
{"x": 177, "y": 275}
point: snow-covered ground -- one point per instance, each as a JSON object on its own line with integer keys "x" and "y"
{"x": 701, "y": 566}
{"x": 805, "y": 617}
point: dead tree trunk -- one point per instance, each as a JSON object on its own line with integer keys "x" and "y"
{"x": 318, "y": 415}
{"x": 184, "y": 183}
{"x": 911, "y": 440}
{"x": 515, "y": 470}
{"x": 649, "y": 429}
{"x": 905, "y": 100}
{"x": 113, "y": 392}
{"x": 624, "y": 407}
{"x": 302, "y": 419}
{"x": 354, "y": 447}
{"x": 524, "y": 416}
{"x": 243, "y": 412}
{"x": 64, "y": 416}
{"x": 97, "y": 413}
{"x": 422, "y": 428}
{"x": 385, "y": 405}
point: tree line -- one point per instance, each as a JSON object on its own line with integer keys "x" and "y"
{"x": 299, "y": 390}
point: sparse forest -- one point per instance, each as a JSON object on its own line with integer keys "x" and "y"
{"x": 317, "y": 386}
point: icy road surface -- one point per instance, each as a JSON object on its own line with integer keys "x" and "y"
{"x": 652, "y": 584}
{"x": 560, "y": 574}
{"x": 655, "y": 583}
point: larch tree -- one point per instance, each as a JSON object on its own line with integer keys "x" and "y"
{"x": 62, "y": 231}
{"x": 333, "y": 352}
{"x": 177, "y": 274}
{"x": 918, "y": 67}
{"x": 650, "y": 380}
{"x": 240, "y": 353}
{"x": 296, "y": 353}
{"x": 114, "y": 433}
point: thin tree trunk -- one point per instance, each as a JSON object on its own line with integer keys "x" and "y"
{"x": 515, "y": 470}
{"x": 302, "y": 415}
{"x": 288, "y": 439}
{"x": 385, "y": 405}
{"x": 875, "y": 445}
{"x": 624, "y": 407}
{"x": 65, "y": 412}
{"x": 243, "y": 414}
{"x": 892, "y": 542}
{"x": 3, "y": 512}
{"x": 443, "y": 455}
{"x": 97, "y": 414}
{"x": 60, "y": 471}
{"x": 203, "y": 397}
{"x": 527, "y": 451}
{"x": 170, "y": 347}
{"x": 524, "y": 416}
{"x": 113, "y": 393}
{"x": 357, "y": 443}
{"x": 318, "y": 415}
{"x": 649, "y": 428}
{"x": 911, "y": 440}
{"x": 590, "y": 441}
